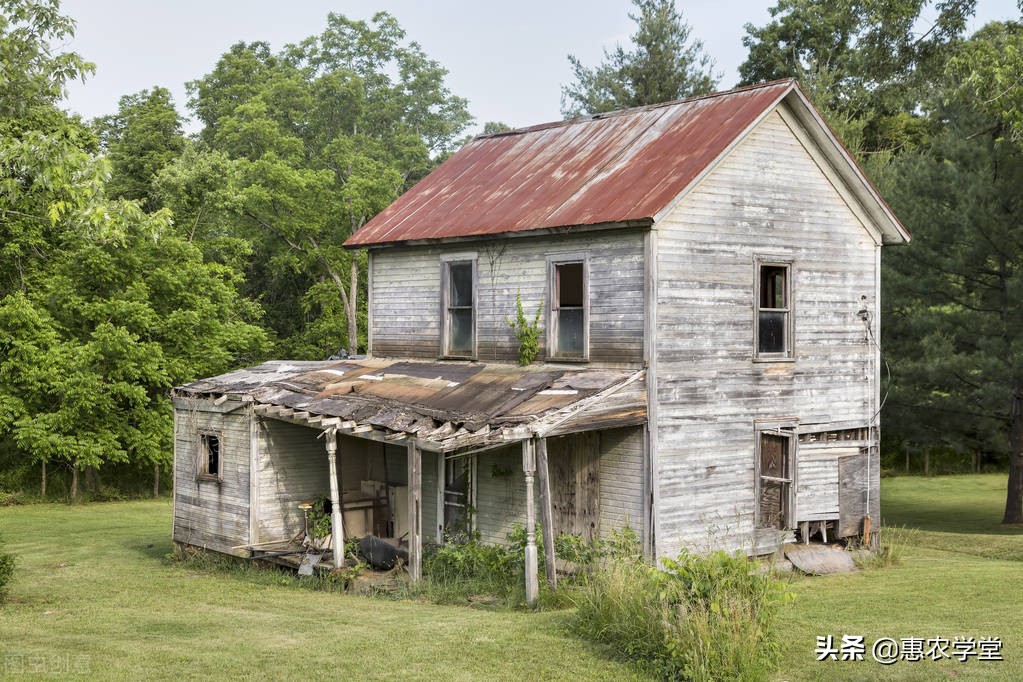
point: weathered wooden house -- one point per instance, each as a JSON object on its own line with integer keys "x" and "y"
{"x": 708, "y": 276}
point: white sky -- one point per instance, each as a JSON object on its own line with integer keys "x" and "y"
{"x": 508, "y": 59}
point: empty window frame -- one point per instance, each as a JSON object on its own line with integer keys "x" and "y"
{"x": 210, "y": 462}
{"x": 459, "y": 497}
{"x": 459, "y": 308}
{"x": 568, "y": 333}
{"x": 774, "y": 462}
{"x": 773, "y": 330}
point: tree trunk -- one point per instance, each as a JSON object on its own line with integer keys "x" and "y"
{"x": 42, "y": 482}
{"x": 156, "y": 479}
{"x": 74, "y": 482}
{"x": 1014, "y": 490}
{"x": 353, "y": 310}
{"x": 927, "y": 463}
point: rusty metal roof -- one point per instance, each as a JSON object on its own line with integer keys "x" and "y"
{"x": 444, "y": 406}
{"x": 615, "y": 168}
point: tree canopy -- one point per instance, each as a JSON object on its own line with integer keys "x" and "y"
{"x": 667, "y": 63}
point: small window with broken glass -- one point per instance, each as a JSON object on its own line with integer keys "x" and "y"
{"x": 568, "y": 333}
{"x": 209, "y": 465}
{"x": 774, "y": 311}
{"x": 460, "y": 309}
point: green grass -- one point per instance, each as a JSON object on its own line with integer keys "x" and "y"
{"x": 960, "y": 577}
{"x": 94, "y": 591}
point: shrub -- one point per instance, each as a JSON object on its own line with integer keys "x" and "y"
{"x": 700, "y": 618}
{"x": 6, "y": 572}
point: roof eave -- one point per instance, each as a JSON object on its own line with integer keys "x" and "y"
{"x": 892, "y": 230}
{"x": 642, "y": 223}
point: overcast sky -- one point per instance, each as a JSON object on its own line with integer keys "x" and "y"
{"x": 508, "y": 59}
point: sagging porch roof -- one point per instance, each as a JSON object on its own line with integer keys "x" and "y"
{"x": 443, "y": 406}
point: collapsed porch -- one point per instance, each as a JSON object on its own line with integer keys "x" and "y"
{"x": 451, "y": 414}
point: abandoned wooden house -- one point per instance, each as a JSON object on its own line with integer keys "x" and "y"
{"x": 708, "y": 374}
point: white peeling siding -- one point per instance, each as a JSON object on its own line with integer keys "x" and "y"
{"x": 768, "y": 198}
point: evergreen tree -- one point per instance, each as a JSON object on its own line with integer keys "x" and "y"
{"x": 666, "y": 64}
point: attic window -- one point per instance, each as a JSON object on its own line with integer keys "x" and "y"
{"x": 568, "y": 332}
{"x": 209, "y": 464}
{"x": 459, "y": 294}
{"x": 773, "y": 311}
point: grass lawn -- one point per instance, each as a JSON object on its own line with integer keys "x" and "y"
{"x": 960, "y": 577}
{"x": 95, "y": 594}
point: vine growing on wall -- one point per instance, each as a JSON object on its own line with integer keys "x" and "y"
{"x": 528, "y": 333}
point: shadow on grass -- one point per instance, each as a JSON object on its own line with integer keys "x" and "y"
{"x": 157, "y": 550}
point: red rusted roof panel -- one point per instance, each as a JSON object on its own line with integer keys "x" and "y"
{"x": 613, "y": 168}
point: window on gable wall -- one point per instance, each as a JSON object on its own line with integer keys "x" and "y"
{"x": 567, "y": 335}
{"x": 773, "y": 311}
{"x": 459, "y": 325}
{"x": 209, "y": 464}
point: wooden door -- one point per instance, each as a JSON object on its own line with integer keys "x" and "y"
{"x": 574, "y": 463}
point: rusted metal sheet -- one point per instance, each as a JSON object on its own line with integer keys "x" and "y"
{"x": 449, "y": 404}
{"x": 617, "y": 168}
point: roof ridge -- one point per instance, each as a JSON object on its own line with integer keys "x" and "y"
{"x": 632, "y": 110}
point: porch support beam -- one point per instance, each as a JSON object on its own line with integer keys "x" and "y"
{"x": 415, "y": 512}
{"x": 546, "y": 512}
{"x": 529, "y": 469}
{"x": 337, "y": 532}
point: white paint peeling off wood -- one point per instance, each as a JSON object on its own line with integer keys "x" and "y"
{"x": 770, "y": 198}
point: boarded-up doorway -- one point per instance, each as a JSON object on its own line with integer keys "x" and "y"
{"x": 574, "y": 463}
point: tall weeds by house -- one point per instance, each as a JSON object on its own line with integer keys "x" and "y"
{"x": 696, "y": 618}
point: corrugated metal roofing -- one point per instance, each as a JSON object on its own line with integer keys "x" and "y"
{"x": 448, "y": 405}
{"x": 621, "y": 167}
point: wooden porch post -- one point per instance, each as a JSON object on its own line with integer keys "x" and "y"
{"x": 529, "y": 468}
{"x": 546, "y": 513}
{"x": 415, "y": 512}
{"x": 337, "y": 532}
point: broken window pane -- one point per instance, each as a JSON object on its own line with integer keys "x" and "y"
{"x": 209, "y": 455}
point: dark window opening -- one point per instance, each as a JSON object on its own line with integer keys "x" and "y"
{"x": 209, "y": 455}
{"x": 773, "y": 309}
{"x": 569, "y": 310}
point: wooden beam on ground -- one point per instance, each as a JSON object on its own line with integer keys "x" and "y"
{"x": 415, "y": 512}
{"x": 529, "y": 468}
{"x": 546, "y": 512}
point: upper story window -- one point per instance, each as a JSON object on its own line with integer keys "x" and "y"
{"x": 568, "y": 332}
{"x": 459, "y": 308}
{"x": 773, "y": 311}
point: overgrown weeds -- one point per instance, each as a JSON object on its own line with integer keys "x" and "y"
{"x": 697, "y": 618}
{"x": 886, "y": 548}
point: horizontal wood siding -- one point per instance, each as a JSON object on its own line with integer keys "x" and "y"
{"x": 431, "y": 518}
{"x": 768, "y": 198}
{"x": 211, "y": 514}
{"x": 293, "y": 468}
{"x": 500, "y": 493}
{"x": 621, "y": 480}
{"x": 817, "y": 481}
{"x": 406, "y": 312}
